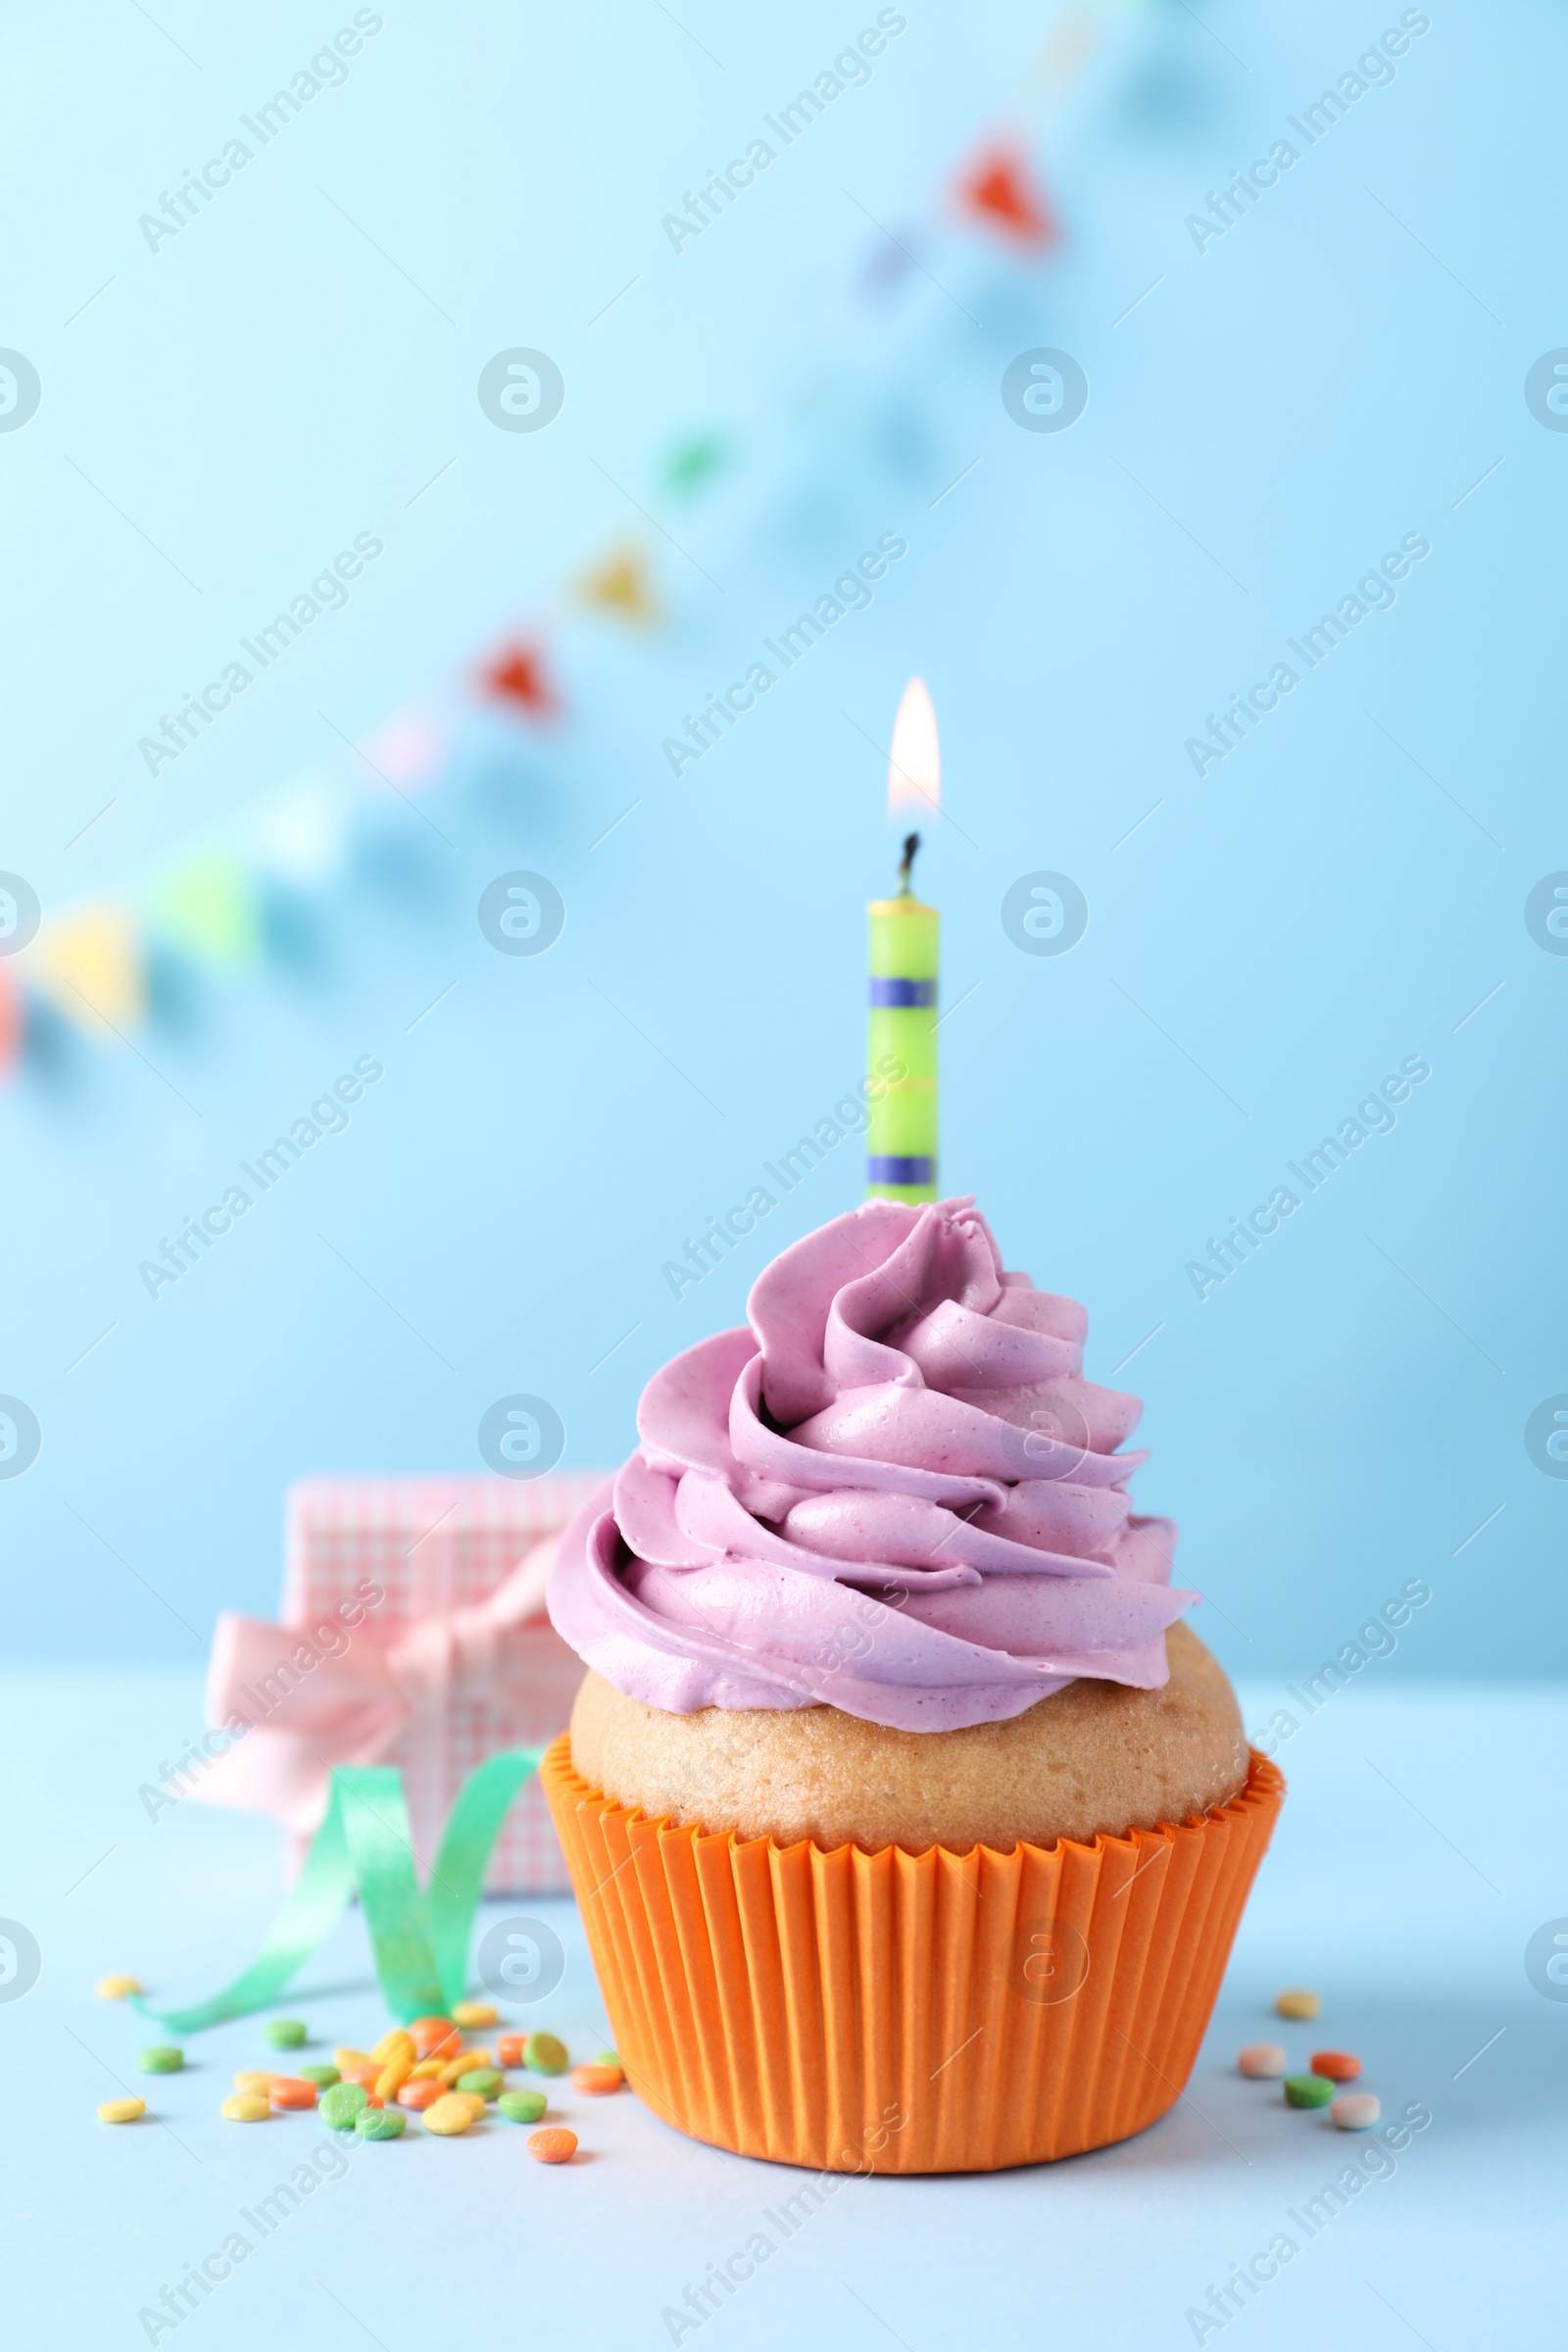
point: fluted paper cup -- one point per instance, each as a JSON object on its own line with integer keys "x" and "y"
{"x": 893, "y": 2012}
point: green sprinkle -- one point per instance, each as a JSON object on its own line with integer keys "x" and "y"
{"x": 607, "y": 2058}
{"x": 283, "y": 2033}
{"x": 161, "y": 2059}
{"x": 323, "y": 2077}
{"x": 379, "y": 2123}
{"x": 1309, "y": 2090}
{"x": 485, "y": 2079}
{"x": 522, "y": 2106}
{"x": 543, "y": 2054}
{"x": 342, "y": 2105}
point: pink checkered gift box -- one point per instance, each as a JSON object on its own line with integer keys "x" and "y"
{"x": 435, "y": 1545}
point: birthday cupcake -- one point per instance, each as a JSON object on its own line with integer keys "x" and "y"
{"x": 909, "y": 1827}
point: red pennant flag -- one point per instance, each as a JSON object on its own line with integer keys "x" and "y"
{"x": 1001, "y": 193}
{"x": 517, "y": 676}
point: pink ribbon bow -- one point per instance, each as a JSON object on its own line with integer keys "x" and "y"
{"x": 349, "y": 1705}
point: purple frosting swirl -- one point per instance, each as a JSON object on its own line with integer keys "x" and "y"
{"x": 894, "y": 1493}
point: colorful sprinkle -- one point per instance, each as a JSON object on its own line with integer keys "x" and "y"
{"x": 483, "y": 2081}
{"x": 344, "y": 2059}
{"x": 249, "y": 2080}
{"x": 1299, "y": 2005}
{"x": 396, "y": 2044}
{"x": 474, "y": 2015}
{"x": 598, "y": 2080}
{"x": 343, "y": 2103}
{"x": 121, "y": 2111}
{"x": 554, "y": 2146}
{"x": 1355, "y": 2110}
{"x": 1339, "y": 2066}
{"x": 608, "y": 2058}
{"x": 380, "y": 2123}
{"x": 1307, "y": 2090}
{"x": 1263, "y": 2061}
{"x": 161, "y": 2059}
{"x": 450, "y": 2115}
{"x": 510, "y": 2049}
{"x": 522, "y": 2106}
{"x": 543, "y": 2054}
{"x": 428, "y": 2034}
{"x": 463, "y": 2064}
{"x": 323, "y": 2077}
{"x": 396, "y": 2071}
{"x": 291, "y": 2092}
{"x": 116, "y": 1989}
{"x": 283, "y": 2033}
{"x": 416, "y": 2096}
{"x": 247, "y": 2107}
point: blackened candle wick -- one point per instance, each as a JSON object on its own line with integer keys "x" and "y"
{"x": 911, "y": 842}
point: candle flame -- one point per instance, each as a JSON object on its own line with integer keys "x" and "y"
{"x": 914, "y": 764}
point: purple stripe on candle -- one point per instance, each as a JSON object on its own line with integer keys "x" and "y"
{"x": 903, "y": 993}
{"x": 891, "y": 1168}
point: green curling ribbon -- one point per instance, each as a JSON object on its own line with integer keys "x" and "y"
{"x": 419, "y": 1943}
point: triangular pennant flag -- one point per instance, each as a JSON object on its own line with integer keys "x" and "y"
{"x": 694, "y": 462}
{"x": 90, "y": 965}
{"x": 409, "y": 750}
{"x": 517, "y": 676}
{"x": 207, "y": 908}
{"x": 621, "y": 585}
{"x": 1001, "y": 192}
{"x": 300, "y": 835}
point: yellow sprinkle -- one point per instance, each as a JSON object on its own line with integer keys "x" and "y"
{"x": 473, "y": 2099}
{"x": 450, "y": 2115}
{"x": 396, "y": 2071}
{"x": 127, "y": 2111}
{"x": 1299, "y": 2004}
{"x": 474, "y": 2015}
{"x": 389, "y": 2046}
{"x": 428, "y": 2069}
{"x": 116, "y": 1989}
{"x": 250, "y": 2079}
{"x": 248, "y": 2107}
{"x": 344, "y": 2059}
{"x": 463, "y": 2064}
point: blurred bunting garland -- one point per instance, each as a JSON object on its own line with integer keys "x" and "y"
{"x": 104, "y": 964}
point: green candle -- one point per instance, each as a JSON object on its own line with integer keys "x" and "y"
{"x": 901, "y": 1031}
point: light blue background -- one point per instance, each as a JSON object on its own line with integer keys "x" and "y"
{"x": 1262, "y": 951}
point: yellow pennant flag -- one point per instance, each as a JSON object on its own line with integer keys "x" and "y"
{"x": 621, "y": 585}
{"x": 89, "y": 966}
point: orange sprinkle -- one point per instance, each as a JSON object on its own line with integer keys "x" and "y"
{"x": 509, "y": 2049}
{"x": 420, "y": 2095}
{"x": 288, "y": 2090}
{"x": 596, "y": 2081}
{"x": 1339, "y": 2066}
{"x": 367, "y": 2074}
{"x": 429, "y": 2034}
{"x": 552, "y": 2147}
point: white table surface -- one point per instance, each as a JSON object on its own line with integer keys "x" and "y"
{"x": 1421, "y": 1845}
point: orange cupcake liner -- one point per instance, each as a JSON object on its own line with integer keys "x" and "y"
{"x": 893, "y": 2012}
